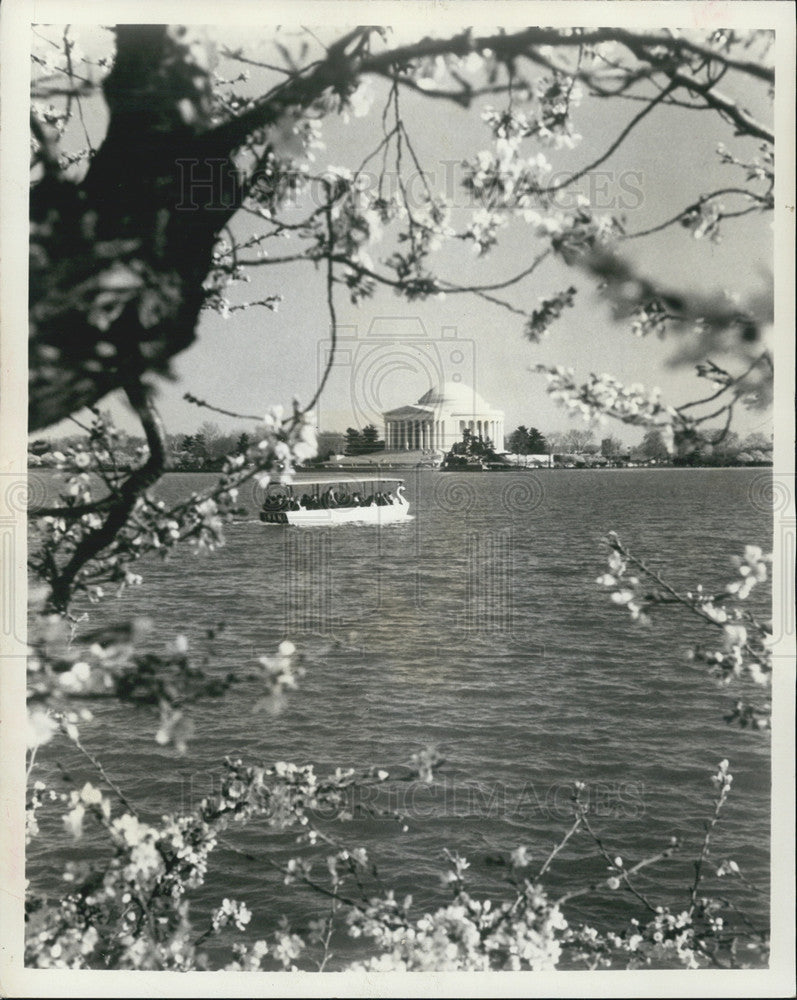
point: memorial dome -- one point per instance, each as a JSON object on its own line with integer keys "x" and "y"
{"x": 456, "y": 397}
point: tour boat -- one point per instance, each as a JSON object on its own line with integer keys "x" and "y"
{"x": 336, "y": 500}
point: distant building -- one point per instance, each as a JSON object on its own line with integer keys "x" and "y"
{"x": 439, "y": 418}
{"x": 529, "y": 461}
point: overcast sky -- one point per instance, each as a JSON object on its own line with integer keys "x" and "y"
{"x": 257, "y": 358}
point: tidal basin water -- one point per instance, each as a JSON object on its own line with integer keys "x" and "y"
{"x": 476, "y": 628}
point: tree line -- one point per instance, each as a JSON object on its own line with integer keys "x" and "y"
{"x": 729, "y": 448}
{"x": 206, "y": 449}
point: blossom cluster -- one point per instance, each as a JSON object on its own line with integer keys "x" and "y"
{"x": 281, "y": 673}
{"x": 231, "y": 911}
{"x": 549, "y": 311}
{"x": 37, "y": 794}
{"x": 136, "y": 915}
{"x": 358, "y": 219}
{"x": 116, "y": 663}
{"x": 503, "y": 178}
{"x": 556, "y": 95}
{"x": 424, "y": 761}
{"x": 650, "y": 318}
{"x": 468, "y": 934}
{"x": 604, "y": 396}
{"x": 668, "y": 940}
{"x": 703, "y": 220}
{"x": 550, "y": 123}
{"x": 746, "y": 649}
{"x": 428, "y": 227}
{"x": 483, "y": 229}
{"x": 624, "y": 586}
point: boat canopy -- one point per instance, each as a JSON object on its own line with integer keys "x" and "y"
{"x": 318, "y": 484}
{"x": 351, "y": 477}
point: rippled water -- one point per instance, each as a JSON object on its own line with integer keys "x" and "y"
{"x": 476, "y": 627}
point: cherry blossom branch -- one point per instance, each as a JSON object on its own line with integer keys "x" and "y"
{"x": 614, "y": 543}
{"x": 97, "y": 764}
{"x": 764, "y": 200}
{"x": 558, "y": 847}
{"x": 723, "y": 781}
{"x": 129, "y": 492}
{"x": 730, "y": 382}
{"x": 340, "y": 68}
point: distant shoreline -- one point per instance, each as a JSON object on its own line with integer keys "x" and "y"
{"x": 425, "y": 468}
{"x": 376, "y": 468}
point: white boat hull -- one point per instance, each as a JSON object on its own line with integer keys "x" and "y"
{"x": 389, "y": 514}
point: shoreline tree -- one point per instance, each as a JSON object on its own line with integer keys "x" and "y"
{"x": 577, "y": 441}
{"x": 525, "y": 441}
{"x": 653, "y": 446}
{"x": 611, "y": 447}
{"x": 472, "y": 450}
{"x": 364, "y": 442}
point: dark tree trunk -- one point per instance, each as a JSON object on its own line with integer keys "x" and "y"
{"x": 118, "y": 260}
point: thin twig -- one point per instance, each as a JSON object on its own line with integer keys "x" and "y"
{"x": 561, "y": 844}
{"x": 106, "y": 777}
{"x": 661, "y": 856}
{"x": 333, "y": 322}
{"x": 190, "y": 398}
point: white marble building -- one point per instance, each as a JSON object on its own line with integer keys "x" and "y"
{"x": 439, "y": 417}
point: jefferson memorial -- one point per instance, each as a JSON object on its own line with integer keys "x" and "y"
{"x": 440, "y": 416}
